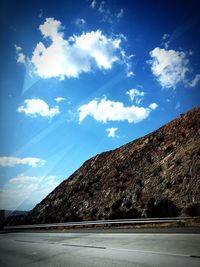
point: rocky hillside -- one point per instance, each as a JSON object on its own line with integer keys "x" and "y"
{"x": 156, "y": 175}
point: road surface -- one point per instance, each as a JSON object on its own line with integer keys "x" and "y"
{"x": 99, "y": 249}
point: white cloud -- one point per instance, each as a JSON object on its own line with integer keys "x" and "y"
{"x": 26, "y": 190}
{"x": 119, "y": 15}
{"x": 106, "y": 110}
{"x": 169, "y": 66}
{"x": 20, "y": 56}
{"x": 51, "y": 28}
{"x": 111, "y": 132}
{"x": 80, "y": 22}
{"x": 13, "y": 161}
{"x": 153, "y": 106}
{"x": 38, "y": 107}
{"x": 165, "y": 40}
{"x": 99, "y": 48}
{"x": 23, "y": 179}
{"x": 135, "y": 95}
{"x": 93, "y": 3}
{"x": 195, "y": 81}
{"x": 60, "y": 99}
{"x": 76, "y": 55}
{"x": 18, "y": 48}
{"x": 130, "y": 74}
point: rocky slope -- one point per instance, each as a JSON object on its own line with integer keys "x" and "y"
{"x": 156, "y": 175}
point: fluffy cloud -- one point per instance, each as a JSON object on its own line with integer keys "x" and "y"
{"x": 20, "y": 56}
{"x": 153, "y": 106}
{"x": 13, "y": 161}
{"x": 24, "y": 189}
{"x": 195, "y": 81}
{"x": 18, "y": 48}
{"x": 111, "y": 132}
{"x": 106, "y": 110}
{"x": 130, "y": 74}
{"x": 135, "y": 95}
{"x": 60, "y": 99}
{"x": 38, "y": 107}
{"x": 75, "y": 55}
{"x": 169, "y": 66}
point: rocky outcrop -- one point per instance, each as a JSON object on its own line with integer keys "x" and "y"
{"x": 154, "y": 176}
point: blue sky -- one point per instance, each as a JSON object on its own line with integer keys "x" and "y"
{"x": 82, "y": 77}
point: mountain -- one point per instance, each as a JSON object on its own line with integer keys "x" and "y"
{"x": 7, "y": 216}
{"x": 154, "y": 176}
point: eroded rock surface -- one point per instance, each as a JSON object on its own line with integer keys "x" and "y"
{"x": 157, "y": 175}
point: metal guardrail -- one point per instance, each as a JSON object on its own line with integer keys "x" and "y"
{"x": 99, "y": 222}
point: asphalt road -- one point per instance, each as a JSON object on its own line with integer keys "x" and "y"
{"x": 99, "y": 249}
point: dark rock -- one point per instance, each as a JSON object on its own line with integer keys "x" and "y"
{"x": 155, "y": 176}
{"x": 192, "y": 209}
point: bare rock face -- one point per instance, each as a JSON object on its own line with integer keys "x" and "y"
{"x": 157, "y": 175}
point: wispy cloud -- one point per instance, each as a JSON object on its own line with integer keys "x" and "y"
{"x": 75, "y": 55}
{"x": 111, "y": 132}
{"x": 178, "y": 105}
{"x": 107, "y": 15}
{"x": 38, "y": 107}
{"x": 195, "y": 81}
{"x": 93, "y": 3}
{"x": 184, "y": 27}
{"x": 119, "y": 15}
{"x": 166, "y": 40}
{"x": 105, "y": 110}
{"x": 102, "y": 7}
{"x": 80, "y": 22}
{"x": 135, "y": 95}
{"x": 13, "y": 161}
{"x": 24, "y": 188}
{"x": 60, "y": 99}
{"x": 22, "y": 180}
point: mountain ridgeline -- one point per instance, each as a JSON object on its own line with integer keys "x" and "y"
{"x": 157, "y": 175}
